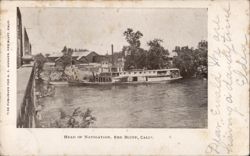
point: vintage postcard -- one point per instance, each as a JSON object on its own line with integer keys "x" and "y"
{"x": 124, "y": 77}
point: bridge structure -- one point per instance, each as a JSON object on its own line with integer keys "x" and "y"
{"x": 26, "y": 98}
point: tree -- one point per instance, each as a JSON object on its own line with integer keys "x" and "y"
{"x": 185, "y": 61}
{"x": 136, "y": 60}
{"x": 192, "y": 62}
{"x": 67, "y": 56}
{"x": 65, "y": 50}
{"x": 39, "y": 62}
{"x": 133, "y": 38}
{"x": 66, "y": 60}
{"x": 157, "y": 55}
{"x": 201, "y": 57}
{"x": 133, "y": 51}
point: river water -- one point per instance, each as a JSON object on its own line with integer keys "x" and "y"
{"x": 181, "y": 104}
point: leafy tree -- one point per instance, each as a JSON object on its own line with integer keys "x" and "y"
{"x": 157, "y": 55}
{"x": 201, "y": 59}
{"x": 133, "y": 38}
{"x": 65, "y": 49}
{"x": 67, "y": 56}
{"x": 39, "y": 62}
{"x": 185, "y": 61}
{"x": 136, "y": 60}
{"x": 78, "y": 119}
{"x": 192, "y": 62}
{"x": 66, "y": 60}
{"x": 133, "y": 50}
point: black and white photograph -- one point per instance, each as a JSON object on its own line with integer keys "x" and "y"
{"x": 112, "y": 67}
{"x": 124, "y": 77}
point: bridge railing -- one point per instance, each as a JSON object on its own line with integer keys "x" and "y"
{"x": 25, "y": 96}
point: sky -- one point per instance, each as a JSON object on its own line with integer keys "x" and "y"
{"x": 95, "y": 29}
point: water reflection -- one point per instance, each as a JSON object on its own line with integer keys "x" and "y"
{"x": 175, "y": 105}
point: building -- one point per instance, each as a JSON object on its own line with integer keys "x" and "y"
{"x": 90, "y": 61}
{"x": 25, "y": 104}
{"x": 26, "y": 42}
{"x": 101, "y": 58}
{"x": 23, "y": 44}
{"x": 52, "y": 57}
{"x": 78, "y": 57}
{"x": 19, "y": 38}
{"x": 27, "y": 57}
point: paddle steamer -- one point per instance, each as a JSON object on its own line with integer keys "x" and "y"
{"x": 131, "y": 77}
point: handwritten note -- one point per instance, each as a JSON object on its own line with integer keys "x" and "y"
{"x": 230, "y": 60}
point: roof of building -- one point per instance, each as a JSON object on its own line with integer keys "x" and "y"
{"x": 78, "y": 54}
{"x": 81, "y": 54}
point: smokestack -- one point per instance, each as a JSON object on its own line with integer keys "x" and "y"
{"x": 112, "y": 51}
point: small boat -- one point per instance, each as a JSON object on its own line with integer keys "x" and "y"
{"x": 58, "y": 83}
{"x": 131, "y": 77}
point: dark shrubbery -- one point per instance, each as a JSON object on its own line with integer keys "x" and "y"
{"x": 192, "y": 62}
{"x": 78, "y": 119}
